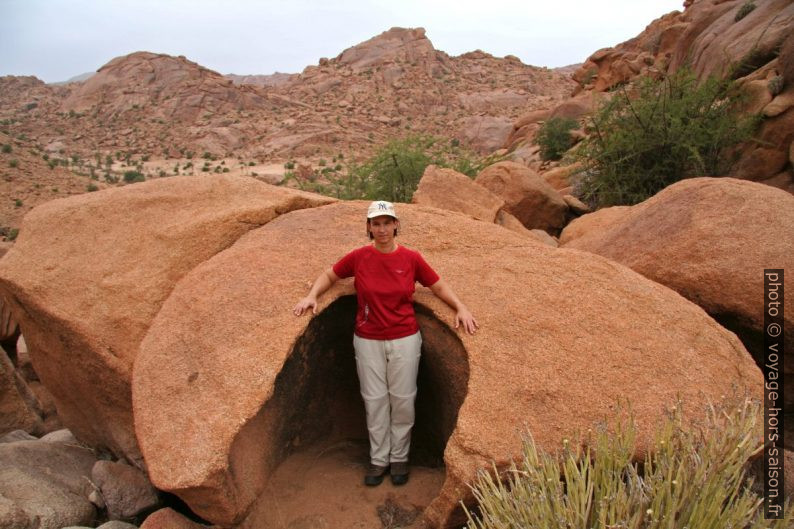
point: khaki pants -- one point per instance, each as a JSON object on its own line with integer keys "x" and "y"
{"x": 387, "y": 372}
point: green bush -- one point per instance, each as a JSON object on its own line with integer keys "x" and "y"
{"x": 133, "y": 176}
{"x": 663, "y": 132}
{"x": 14, "y": 163}
{"x": 744, "y": 10}
{"x": 91, "y": 188}
{"x": 393, "y": 173}
{"x": 6, "y": 148}
{"x": 554, "y": 137}
{"x": 693, "y": 477}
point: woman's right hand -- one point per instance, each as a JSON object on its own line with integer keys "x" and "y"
{"x": 304, "y": 304}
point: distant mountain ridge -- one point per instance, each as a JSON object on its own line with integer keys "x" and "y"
{"x": 387, "y": 86}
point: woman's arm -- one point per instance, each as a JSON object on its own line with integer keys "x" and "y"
{"x": 321, "y": 284}
{"x": 463, "y": 315}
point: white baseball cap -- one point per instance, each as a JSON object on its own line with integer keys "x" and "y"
{"x": 381, "y": 207}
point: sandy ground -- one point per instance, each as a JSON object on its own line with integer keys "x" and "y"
{"x": 323, "y": 488}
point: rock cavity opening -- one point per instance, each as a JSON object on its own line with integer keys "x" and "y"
{"x": 315, "y": 432}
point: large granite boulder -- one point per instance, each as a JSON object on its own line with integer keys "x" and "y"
{"x": 710, "y": 240}
{"x": 526, "y": 194}
{"x": 448, "y": 189}
{"x": 89, "y": 272}
{"x": 228, "y": 381}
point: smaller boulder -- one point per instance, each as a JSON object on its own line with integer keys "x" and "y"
{"x": 545, "y": 238}
{"x": 169, "y": 519}
{"x": 560, "y": 177}
{"x": 448, "y": 189}
{"x": 576, "y": 205}
{"x": 16, "y": 435}
{"x": 60, "y": 436}
{"x": 593, "y": 223}
{"x": 117, "y": 524}
{"x": 527, "y": 196}
{"x": 45, "y": 485}
{"x": 126, "y": 490}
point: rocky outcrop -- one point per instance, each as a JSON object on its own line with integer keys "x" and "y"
{"x": 687, "y": 237}
{"x": 170, "y": 87}
{"x": 712, "y": 39}
{"x": 485, "y": 133}
{"x": 557, "y": 326}
{"x": 394, "y": 45}
{"x": 87, "y": 275}
{"x": 527, "y": 196}
{"x": 45, "y": 485}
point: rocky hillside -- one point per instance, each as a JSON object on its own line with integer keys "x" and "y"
{"x": 396, "y": 82}
{"x": 750, "y": 41}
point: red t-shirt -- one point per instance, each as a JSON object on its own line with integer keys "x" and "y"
{"x": 385, "y": 287}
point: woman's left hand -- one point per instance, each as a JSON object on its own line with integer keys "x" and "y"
{"x": 465, "y": 318}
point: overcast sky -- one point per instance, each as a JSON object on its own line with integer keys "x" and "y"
{"x": 58, "y": 39}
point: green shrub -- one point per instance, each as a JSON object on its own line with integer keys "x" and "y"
{"x": 665, "y": 131}
{"x": 744, "y": 10}
{"x": 693, "y": 477}
{"x": 13, "y": 163}
{"x": 12, "y": 234}
{"x": 6, "y": 148}
{"x": 554, "y": 137}
{"x": 393, "y": 171}
{"x": 91, "y": 187}
{"x": 133, "y": 176}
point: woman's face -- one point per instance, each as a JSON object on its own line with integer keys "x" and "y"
{"x": 382, "y": 228}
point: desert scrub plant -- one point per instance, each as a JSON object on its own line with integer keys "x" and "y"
{"x": 7, "y": 148}
{"x": 657, "y": 133}
{"x": 692, "y": 477}
{"x": 13, "y": 163}
{"x": 133, "y": 176}
{"x": 744, "y": 10}
{"x": 394, "y": 170}
{"x": 554, "y": 137}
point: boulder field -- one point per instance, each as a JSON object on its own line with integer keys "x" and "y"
{"x": 89, "y": 272}
{"x": 228, "y": 382}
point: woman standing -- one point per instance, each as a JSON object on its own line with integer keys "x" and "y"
{"x": 386, "y": 339}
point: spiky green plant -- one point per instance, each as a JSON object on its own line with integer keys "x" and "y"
{"x": 693, "y": 478}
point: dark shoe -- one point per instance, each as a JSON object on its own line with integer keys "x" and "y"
{"x": 399, "y": 473}
{"x": 374, "y": 475}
